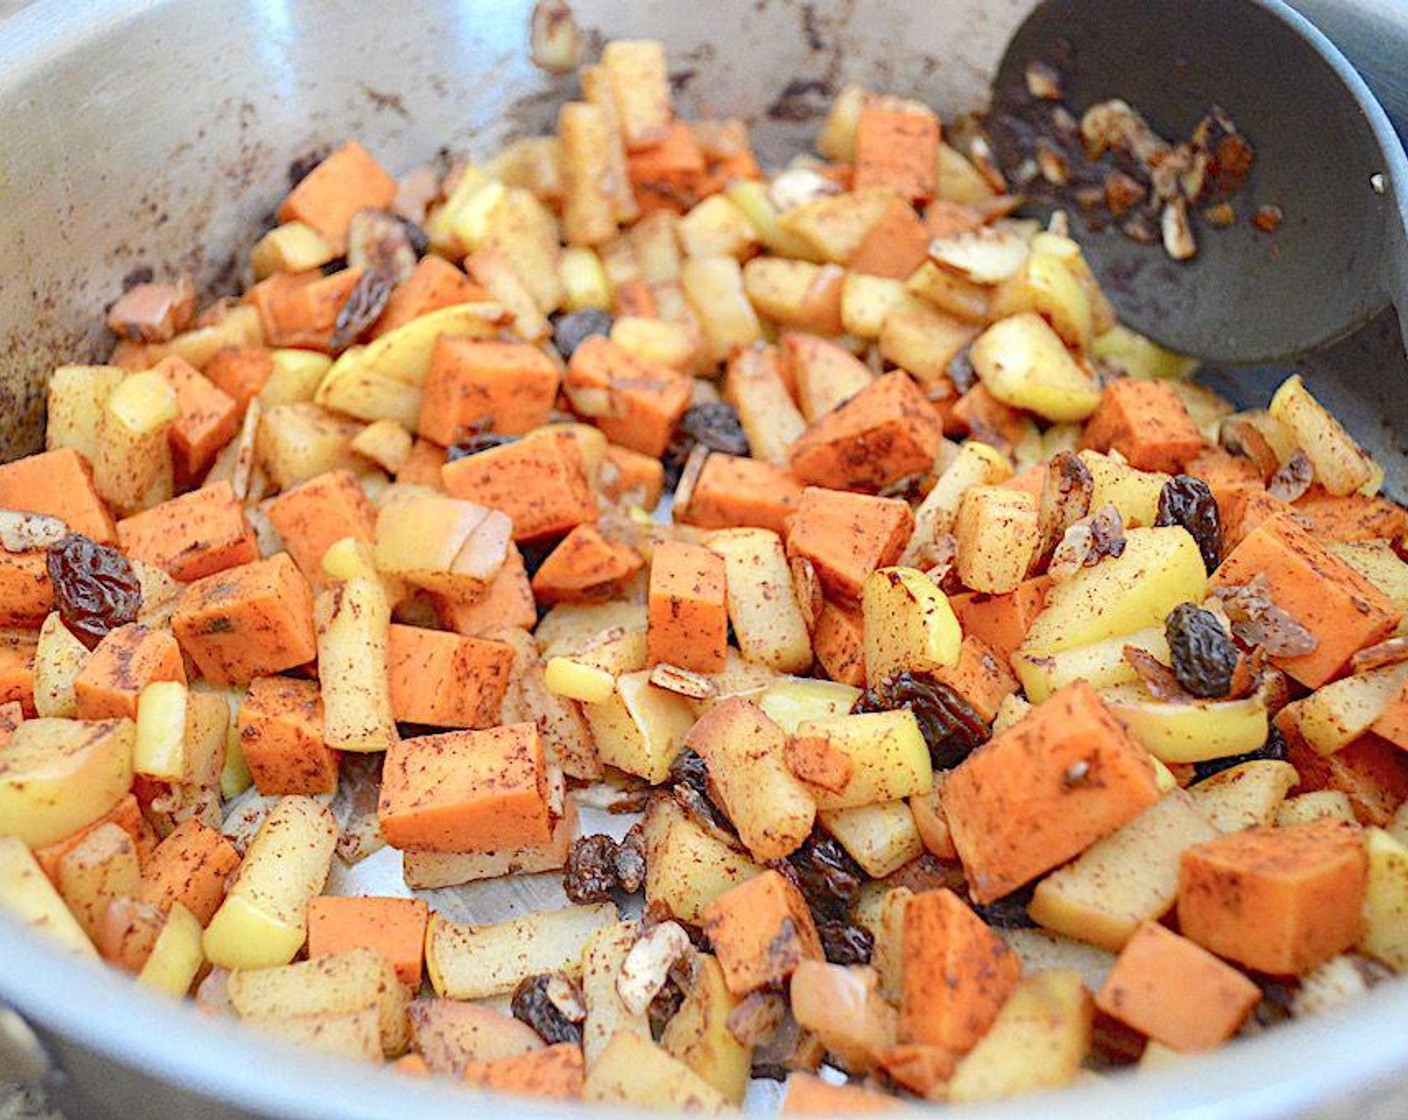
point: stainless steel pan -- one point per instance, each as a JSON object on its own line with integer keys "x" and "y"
{"x": 157, "y": 132}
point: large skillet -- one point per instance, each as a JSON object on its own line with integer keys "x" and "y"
{"x": 157, "y": 132}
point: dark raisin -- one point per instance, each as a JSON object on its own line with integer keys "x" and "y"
{"x": 630, "y": 860}
{"x": 1188, "y": 502}
{"x": 476, "y": 442}
{"x": 1204, "y": 657}
{"x": 844, "y": 943}
{"x": 363, "y": 306}
{"x": 1007, "y": 912}
{"x": 1273, "y": 750}
{"x": 590, "y": 874}
{"x": 95, "y": 588}
{"x": 531, "y": 1005}
{"x": 689, "y": 769}
{"x": 951, "y": 728}
{"x": 571, "y": 330}
{"x": 714, "y": 425}
{"x": 827, "y": 876}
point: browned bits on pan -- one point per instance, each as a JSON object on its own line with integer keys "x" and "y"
{"x": 95, "y": 588}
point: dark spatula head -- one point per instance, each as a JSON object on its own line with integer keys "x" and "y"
{"x": 1248, "y": 296}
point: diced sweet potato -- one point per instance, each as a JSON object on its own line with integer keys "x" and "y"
{"x": 733, "y": 492}
{"x": 839, "y": 643}
{"x": 153, "y": 312}
{"x": 446, "y": 680}
{"x": 239, "y": 372}
{"x": 884, "y": 433}
{"x": 395, "y": 927}
{"x": 553, "y": 1073}
{"x": 1352, "y": 517}
{"x": 847, "y": 536}
{"x": 127, "y": 660}
{"x": 980, "y": 677}
{"x": 434, "y": 283}
{"x": 1372, "y": 772}
{"x": 1224, "y": 472}
{"x": 1002, "y": 621}
{"x": 956, "y": 972}
{"x": 1342, "y": 609}
{"x": 305, "y": 317}
{"x": 197, "y": 534}
{"x": 58, "y": 483}
{"x": 16, "y": 681}
{"x": 281, "y": 733}
{"x": 981, "y": 415}
{"x": 668, "y": 176}
{"x": 126, "y": 814}
{"x": 640, "y": 401}
{"x": 313, "y": 515}
{"x": 249, "y": 621}
{"x": 809, "y": 1095}
{"x": 1242, "y": 510}
{"x": 585, "y": 567}
{"x": 897, "y": 146}
{"x": 688, "y": 608}
{"x": 1044, "y": 790}
{"x": 1279, "y": 900}
{"x": 207, "y": 417}
{"x": 508, "y": 601}
{"x": 467, "y": 791}
{"x": 541, "y": 483}
{"x": 191, "y": 867}
{"x": 630, "y": 477}
{"x": 26, "y": 596}
{"x": 350, "y": 179}
{"x": 1147, "y": 422}
{"x": 475, "y": 384}
{"x": 1176, "y": 992}
{"x": 760, "y": 931}
{"x": 894, "y": 246}
{"x": 422, "y": 465}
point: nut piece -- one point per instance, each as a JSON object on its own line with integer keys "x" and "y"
{"x": 554, "y": 41}
{"x": 647, "y": 965}
{"x": 1177, "y": 233}
{"x": 682, "y": 682}
{"x": 28, "y": 532}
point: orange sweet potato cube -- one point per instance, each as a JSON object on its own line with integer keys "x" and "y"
{"x": 980, "y": 677}
{"x": 847, "y": 536}
{"x": 207, "y": 417}
{"x": 280, "y": 724}
{"x": 249, "y": 621}
{"x": 348, "y": 180}
{"x": 628, "y": 476}
{"x": 981, "y": 415}
{"x": 314, "y": 515}
{"x": 541, "y": 483}
{"x": 395, "y": 927}
{"x": 732, "y": 492}
{"x": 1002, "y": 621}
{"x": 422, "y": 465}
{"x": 808, "y": 1095}
{"x": 1342, "y": 609}
{"x": 17, "y": 676}
{"x": 688, "y": 609}
{"x": 1352, "y": 517}
{"x": 760, "y": 930}
{"x": 1243, "y": 509}
{"x": 1372, "y": 772}
{"x": 467, "y": 791}
{"x": 956, "y": 973}
{"x": 1064, "y": 776}
{"x": 508, "y": 601}
{"x": 1278, "y": 900}
{"x": 897, "y": 147}
{"x": 1147, "y": 422}
{"x": 433, "y": 284}
{"x": 26, "y": 596}
{"x": 884, "y": 433}
{"x": 553, "y": 1073}
{"x": 507, "y": 387}
{"x": 126, "y": 814}
{"x": 1392, "y": 723}
{"x": 634, "y": 297}
{"x": 305, "y": 315}
{"x": 894, "y": 246}
{"x": 58, "y": 483}
{"x": 240, "y": 372}
{"x": 669, "y": 175}
{"x": 839, "y": 643}
{"x": 197, "y": 534}
{"x": 127, "y": 660}
{"x": 1176, "y": 992}
{"x": 643, "y": 400}
{"x": 191, "y": 866}
{"x": 586, "y": 567}
{"x": 446, "y": 680}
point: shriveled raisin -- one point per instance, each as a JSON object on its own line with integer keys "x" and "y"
{"x": 1273, "y": 750}
{"x": 1204, "y": 657}
{"x": 571, "y": 330}
{"x": 1007, "y": 912}
{"x": 532, "y": 1005}
{"x": 689, "y": 769}
{"x": 476, "y": 442}
{"x": 827, "y": 876}
{"x": 845, "y": 943}
{"x": 950, "y": 726}
{"x": 590, "y": 873}
{"x": 95, "y": 588}
{"x": 1188, "y": 502}
{"x": 630, "y": 860}
{"x": 714, "y": 425}
{"x": 362, "y": 307}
